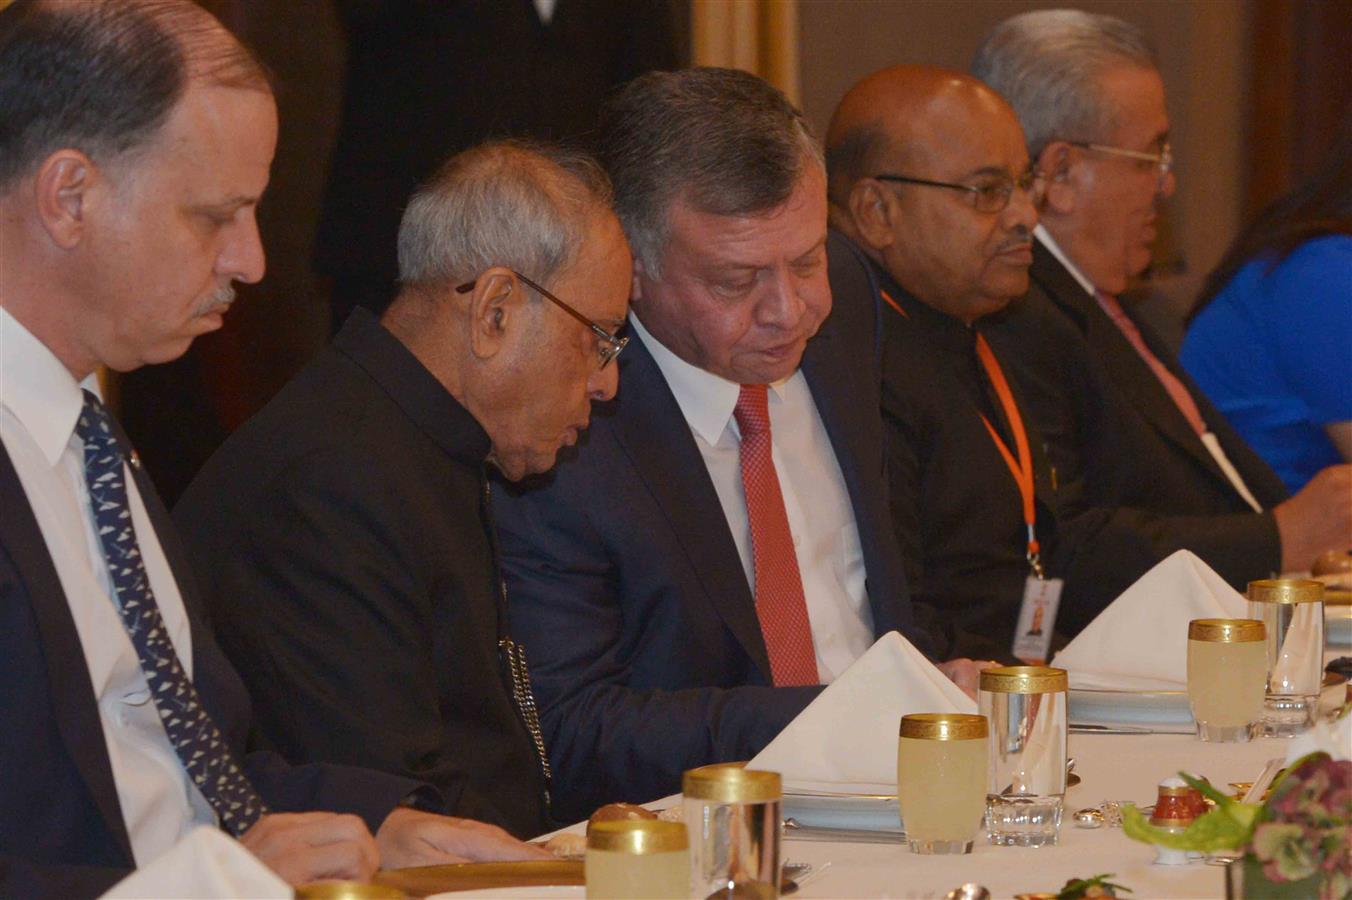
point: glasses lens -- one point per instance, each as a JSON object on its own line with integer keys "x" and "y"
{"x": 993, "y": 197}
{"x": 611, "y": 349}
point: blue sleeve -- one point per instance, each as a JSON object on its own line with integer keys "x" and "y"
{"x": 1310, "y": 297}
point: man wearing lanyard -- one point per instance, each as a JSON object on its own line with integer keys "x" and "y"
{"x": 1116, "y": 410}
{"x": 930, "y": 179}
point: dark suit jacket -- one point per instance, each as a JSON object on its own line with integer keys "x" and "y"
{"x": 956, "y": 509}
{"x": 1109, "y": 425}
{"x": 62, "y": 832}
{"x": 628, "y": 591}
{"x": 354, "y": 583}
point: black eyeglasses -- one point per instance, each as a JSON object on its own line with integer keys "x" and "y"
{"x": 990, "y": 197}
{"x": 610, "y": 345}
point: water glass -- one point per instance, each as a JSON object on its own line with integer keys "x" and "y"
{"x": 1227, "y": 674}
{"x": 1292, "y": 611}
{"x": 734, "y": 817}
{"x": 637, "y": 858}
{"x": 941, "y": 780}
{"x": 1029, "y": 726}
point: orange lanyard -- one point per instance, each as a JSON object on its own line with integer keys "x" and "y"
{"x": 1022, "y": 468}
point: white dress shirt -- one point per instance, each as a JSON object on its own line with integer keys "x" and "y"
{"x": 1209, "y": 440}
{"x": 39, "y": 404}
{"x": 821, "y": 517}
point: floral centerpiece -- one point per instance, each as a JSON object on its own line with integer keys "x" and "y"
{"x": 1298, "y": 843}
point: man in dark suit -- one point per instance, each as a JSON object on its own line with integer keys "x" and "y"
{"x": 929, "y": 178}
{"x": 1114, "y": 407}
{"x": 721, "y": 545}
{"x": 135, "y": 145}
{"x": 345, "y": 526}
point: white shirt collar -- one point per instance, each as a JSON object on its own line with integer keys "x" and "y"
{"x": 38, "y": 389}
{"x": 1054, "y": 248}
{"x": 706, "y": 400}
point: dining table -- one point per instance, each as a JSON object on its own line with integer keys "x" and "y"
{"x": 1112, "y": 767}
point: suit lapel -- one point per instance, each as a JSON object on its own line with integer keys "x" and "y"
{"x": 1125, "y": 367}
{"x": 652, "y": 430}
{"x": 848, "y": 409}
{"x": 73, "y": 701}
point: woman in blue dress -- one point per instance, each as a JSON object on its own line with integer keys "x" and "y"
{"x": 1270, "y": 339}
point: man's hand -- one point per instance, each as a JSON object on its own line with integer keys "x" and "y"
{"x": 409, "y": 837}
{"x": 304, "y": 847}
{"x": 966, "y": 673}
{"x": 1317, "y": 519}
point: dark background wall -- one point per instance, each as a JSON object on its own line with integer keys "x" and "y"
{"x": 1254, "y": 89}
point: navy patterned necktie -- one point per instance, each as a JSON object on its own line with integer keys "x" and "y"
{"x": 199, "y": 743}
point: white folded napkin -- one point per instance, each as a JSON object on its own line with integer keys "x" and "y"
{"x": 205, "y": 864}
{"x": 846, "y": 739}
{"x": 1140, "y": 642}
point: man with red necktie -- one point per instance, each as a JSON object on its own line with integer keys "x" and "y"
{"x": 1117, "y": 412}
{"x": 720, "y": 548}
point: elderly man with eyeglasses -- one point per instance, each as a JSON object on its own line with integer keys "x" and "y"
{"x": 346, "y": 528}
{"x": 1118, "y": 414}
{"x": 931, "y": 183}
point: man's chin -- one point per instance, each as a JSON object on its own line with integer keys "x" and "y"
{"x": 523, "y": 465}
{"x": 769, "y": 366}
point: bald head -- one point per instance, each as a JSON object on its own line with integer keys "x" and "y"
{"x": 928, "y": 175}
{"x": 900, "y": 118}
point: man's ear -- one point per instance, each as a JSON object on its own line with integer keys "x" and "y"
{"x": 1055, "y": 162}
{"x": 636, "y": 286}
{"x": 495, "y": 308}
{"x": 872, "y": 210}
{"x": 61, "y": 194}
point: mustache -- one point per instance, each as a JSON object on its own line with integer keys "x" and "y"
{"x": 1021, "y": 240}
{"x": 218, "y": 300}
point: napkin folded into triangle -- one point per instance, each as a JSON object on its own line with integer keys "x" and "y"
{"x": 1140, "y": 642}
{"x": 846, "y": 739}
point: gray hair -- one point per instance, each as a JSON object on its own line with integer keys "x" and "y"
{"x": 503, "y": 203}
{"x": 104, "y": 77}
{"x": 723, "y": 140}
{"x": 1048, "y": 63}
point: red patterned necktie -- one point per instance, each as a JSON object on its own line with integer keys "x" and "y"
{"x": 1177, "y": 390}
{"x": 780, "y": 604}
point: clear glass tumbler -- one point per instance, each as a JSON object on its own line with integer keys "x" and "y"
{"x": 1292, "y": 611}
{"x": 941, "y": 777}
{"x": 1026, "y": 784}
{"x": 734, "y": 818}
{"x": 1227, "y": 672}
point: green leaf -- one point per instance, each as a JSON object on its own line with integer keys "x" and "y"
{"x": 1227, "y": 827}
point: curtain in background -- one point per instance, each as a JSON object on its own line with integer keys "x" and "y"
{"x": 758, "y": 36}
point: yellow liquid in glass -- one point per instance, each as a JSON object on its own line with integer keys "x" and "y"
{"x": 941, "y": 788}
{"x": 1226, "y": 682}
{"x": 614, "y": 875}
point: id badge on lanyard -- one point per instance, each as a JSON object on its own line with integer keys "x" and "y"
{"x": 1041, "y": 595}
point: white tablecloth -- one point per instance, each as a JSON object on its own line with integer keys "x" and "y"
{"x": 1113, "y": 767}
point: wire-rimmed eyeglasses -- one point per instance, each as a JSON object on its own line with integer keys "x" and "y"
{"x": 610, "y": 345}
{"x": 989, "y": 197}
{"x": 1163, "y": 161}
